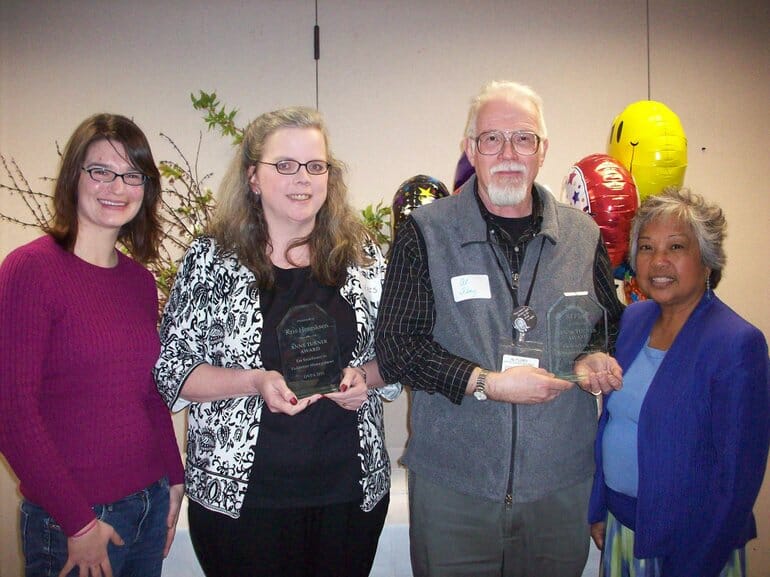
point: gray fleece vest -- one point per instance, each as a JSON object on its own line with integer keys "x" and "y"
{"x": 468, "y": 447}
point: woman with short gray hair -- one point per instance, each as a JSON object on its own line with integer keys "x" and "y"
{"x": 682, "y": 445}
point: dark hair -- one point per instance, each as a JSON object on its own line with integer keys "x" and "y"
{"x": 142, "y": 234}
{"x": 239, "y": 224}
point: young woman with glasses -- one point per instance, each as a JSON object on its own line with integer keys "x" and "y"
{"x": 81, "y": 422}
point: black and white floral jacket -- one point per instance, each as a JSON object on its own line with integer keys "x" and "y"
{"x": 213, "y": 316}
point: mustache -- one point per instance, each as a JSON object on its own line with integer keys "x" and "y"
{"x": 508, "y": 166}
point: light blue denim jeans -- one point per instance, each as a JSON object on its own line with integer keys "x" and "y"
{"x": 140, "y": 519}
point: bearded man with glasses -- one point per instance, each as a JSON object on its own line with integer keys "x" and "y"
{"x": 500, "y": 454}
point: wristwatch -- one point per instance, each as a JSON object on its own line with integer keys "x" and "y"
{"x": 480, "y": 391}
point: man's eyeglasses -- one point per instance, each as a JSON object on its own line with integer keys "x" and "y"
{"x": 523, "y": 142}
{"x": 314, "y": 167}
{"x": 100, "y": 174}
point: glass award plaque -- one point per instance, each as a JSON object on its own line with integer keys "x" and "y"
{"x": 576, "y": 324}
{"x": 310, "y": 353}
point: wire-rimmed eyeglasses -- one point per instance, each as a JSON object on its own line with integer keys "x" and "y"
{"x": 289, "y": 166}
{"x": 101, "y": 174}
{"x": 523, "y": 142}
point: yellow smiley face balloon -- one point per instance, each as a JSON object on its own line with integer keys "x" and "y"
{"x": 648, "y": 139}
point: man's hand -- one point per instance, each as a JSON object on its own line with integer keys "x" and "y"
{"x": 525, "y": 385}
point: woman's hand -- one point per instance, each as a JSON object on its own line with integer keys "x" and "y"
{"x": 88, "y": 552}
{"x": 353, "y": 390}
{"x": 598, "y": 373}
{"x": 175, "y": 494}
{"x": 597, "y": 534}
{"x": 278, "y": 397}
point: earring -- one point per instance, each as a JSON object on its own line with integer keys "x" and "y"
{"x": 708, "y": 285}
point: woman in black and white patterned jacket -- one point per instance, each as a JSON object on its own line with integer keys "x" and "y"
{"x": 280, "y": 481}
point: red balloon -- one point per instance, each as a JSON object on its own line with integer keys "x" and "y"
{"x": 602, "y": 187}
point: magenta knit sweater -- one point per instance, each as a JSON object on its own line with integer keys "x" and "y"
{"x": 81, "y": 422}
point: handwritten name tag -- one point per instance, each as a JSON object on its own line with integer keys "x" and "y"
{"x": 470, "y": 286}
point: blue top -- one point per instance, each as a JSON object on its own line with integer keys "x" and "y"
{"x": 621, "y": 467}
{"x": 704, "y": 431}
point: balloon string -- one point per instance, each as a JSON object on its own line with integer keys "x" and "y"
{"x": 649, "y": 91}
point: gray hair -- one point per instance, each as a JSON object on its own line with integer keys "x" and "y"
{"x": 505, "y": 90}
{"x": 706, "y": 220}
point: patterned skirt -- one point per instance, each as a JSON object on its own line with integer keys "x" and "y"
{"x": 618, "y": 556}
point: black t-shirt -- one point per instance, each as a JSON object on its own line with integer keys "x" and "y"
{"x": 309, "y": 459}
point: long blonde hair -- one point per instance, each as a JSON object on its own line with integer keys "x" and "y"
{"x": 239, "y": 226}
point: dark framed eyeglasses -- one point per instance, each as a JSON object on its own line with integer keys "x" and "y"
{"x": 523, "y": 142}
{"x": 289, "y": 166}
{"x": 100, "y": 174}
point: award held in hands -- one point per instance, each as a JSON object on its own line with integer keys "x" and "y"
{"x": 577, "y": 324}
{"x": 310, "y": 353}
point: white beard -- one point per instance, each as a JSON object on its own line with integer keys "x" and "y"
{"x": 508, "y": 195}
{"x": 511, "y": 193}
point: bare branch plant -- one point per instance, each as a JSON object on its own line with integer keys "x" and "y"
{"x": 186, "y": 202}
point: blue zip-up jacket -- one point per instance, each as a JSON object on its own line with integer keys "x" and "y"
{"x": 704, "y": 430}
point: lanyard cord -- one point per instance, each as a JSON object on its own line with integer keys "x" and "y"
{"x": 509, "y": 282}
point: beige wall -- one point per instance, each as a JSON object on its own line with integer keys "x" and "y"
{"x": 394, "y": 82}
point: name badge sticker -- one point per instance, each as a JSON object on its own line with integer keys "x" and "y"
{"x": 471, "y": 286}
